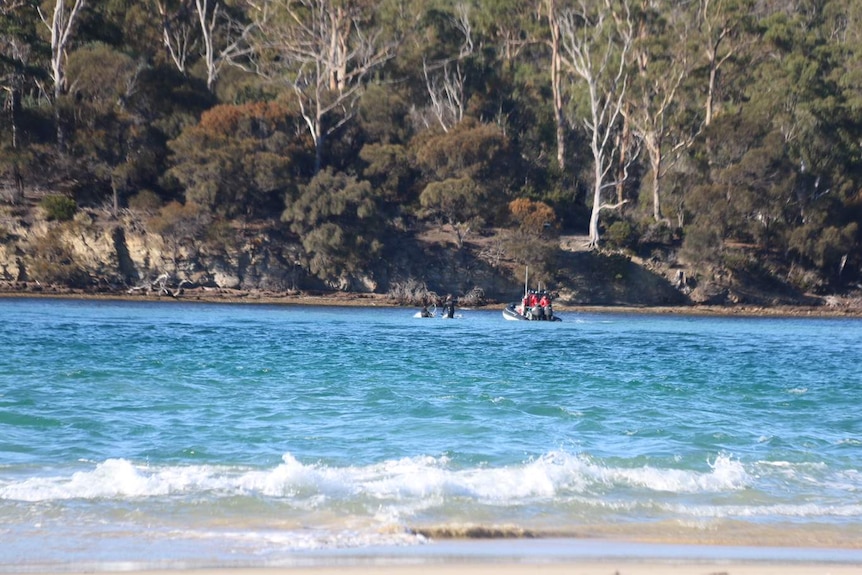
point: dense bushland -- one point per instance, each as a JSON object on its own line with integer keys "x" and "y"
{"x": 722, "y": 134}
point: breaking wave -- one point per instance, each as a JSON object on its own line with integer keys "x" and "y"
{"x": 553, "y": 475}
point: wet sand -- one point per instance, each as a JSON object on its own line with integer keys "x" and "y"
{"x": 522, "y": 557}
{"x": 573, "y": 568}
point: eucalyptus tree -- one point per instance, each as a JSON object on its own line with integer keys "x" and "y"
{"x": 596, "y": 39}
{"x": 323, "y": 51}
{"x": 339, "y": 223}
{"x": 661, "y": 62}
{"x": 385, "y": 130}
{"x": 465, "y": 174}
{"x": 842, "y": 27}
{"x": 242, "y": 160}
{"x": 813, "y": 74}
{"x": 15, "y": 51}
{"x": 225, "y": 32}
{"x": 61, "y": 22}
{"x": 811, "y": 67}
{"x": 216, "y": 31}
{"x": 457, "y": 62}
{"x": 18, "y": 50}
{"x": 108, "y": 137}
{"x": 722, "y": 27}
{"x": 511, "y": 24}
{"x": 557, "y": 101}
{"x": 178, "y": 30}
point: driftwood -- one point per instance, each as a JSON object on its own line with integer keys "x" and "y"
{"x": 160, "y": 285}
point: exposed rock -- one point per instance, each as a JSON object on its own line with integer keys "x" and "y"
{"x": 119, "y": 256}
{"x": 226, "y": 279}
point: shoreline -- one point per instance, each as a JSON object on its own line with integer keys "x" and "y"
{"x": 620, "y": 567}
{"x": 841, "y": 309}
{"x": 508, "y": 557}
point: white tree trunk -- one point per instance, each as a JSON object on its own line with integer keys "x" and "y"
{"x": 177, "y": 36}
{"x": 556, "y": 84}
{"x": 61, "y": 24}
{"x": 311, "y": 45}
{"x": 208, "y": 26}
{"x": 596, "y": 46}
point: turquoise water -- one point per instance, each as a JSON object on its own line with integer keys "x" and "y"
{"x": 173, "y": 434}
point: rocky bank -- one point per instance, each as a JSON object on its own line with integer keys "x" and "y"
{"x": 98, "y": 253}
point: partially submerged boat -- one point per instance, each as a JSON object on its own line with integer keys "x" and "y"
{"x": 426, "y": 312}
{"x": 448, "y": 311}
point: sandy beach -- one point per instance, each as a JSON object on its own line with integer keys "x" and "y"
{"x": 525, "y": 556}
{"x": 627, "y": 567}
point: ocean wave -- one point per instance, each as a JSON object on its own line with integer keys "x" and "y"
{"x": 551, "y": 476}
{"x": 399, "y": 490}
{"x": 312, "y": 505}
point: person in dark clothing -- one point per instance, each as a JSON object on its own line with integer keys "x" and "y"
{"x": 449, "y": 306}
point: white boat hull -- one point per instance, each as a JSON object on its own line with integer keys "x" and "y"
{"x": 513, "y": 312}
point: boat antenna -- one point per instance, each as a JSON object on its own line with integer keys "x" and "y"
{"x": 526, "y": 278}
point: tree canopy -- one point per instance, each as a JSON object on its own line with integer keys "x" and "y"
{"x": 733, "y": 125}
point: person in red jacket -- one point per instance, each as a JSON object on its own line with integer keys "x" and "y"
{"x": 535, "y": 310}
{"x": 545, "y": 306}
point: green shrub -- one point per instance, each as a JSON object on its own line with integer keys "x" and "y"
{"x": 145, "y": 201}
{"x": 53, "y": 262}
{"x": 620, "y": 235}
{"x": 540, "y": 255}
{"x": 657, "y": 233}
{"x": 737, "y": 260}
{"x": 59, "y": 208}
{"x": 701, "y": 245}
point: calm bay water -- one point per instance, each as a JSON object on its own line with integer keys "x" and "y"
{"x": 173, "y": 434}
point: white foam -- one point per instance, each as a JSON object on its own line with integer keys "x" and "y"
{"x": 111, "y": 478}
{"x": 394, "y": 491}
{"x": 783, "y": 510}
{"x": 407, "y": 479}
{"x": 308, "y": 540}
